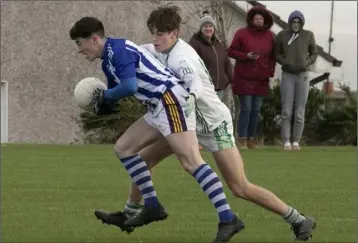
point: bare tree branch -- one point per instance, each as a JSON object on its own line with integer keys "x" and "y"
{"x": 189, "y": 31}
{"x": 229, "y": 23}
{"x": 196, "y": 5}
{"x": 215, "y": 10}
{"x": 198, "y": 8}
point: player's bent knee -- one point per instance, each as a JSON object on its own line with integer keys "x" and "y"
{"x": 117, "y": 151}
{"x": 122, "y": 149}
{"x": 240, "y": 190}
{"x": 191, "y": 160}
{"x": 186, "y": 148}
{"x": 187, "y": 166}
{"x": 151, "y": 164}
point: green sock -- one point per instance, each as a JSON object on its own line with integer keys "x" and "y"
{"x": 131, "y": 209}
{"x": 293, "y": 216}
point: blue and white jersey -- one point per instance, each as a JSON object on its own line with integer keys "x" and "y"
{"x": 122, "y": 60}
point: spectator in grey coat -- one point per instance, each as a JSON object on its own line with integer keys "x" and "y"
{"x": 295, "y": 51}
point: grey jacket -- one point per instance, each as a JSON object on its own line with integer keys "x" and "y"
{"x": 296, "y": 56}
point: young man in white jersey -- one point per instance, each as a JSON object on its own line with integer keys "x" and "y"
{"x": 214, "y": 125}
{"x": 131, "y": 70}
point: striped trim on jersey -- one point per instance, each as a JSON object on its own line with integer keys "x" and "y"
{"x": 175, "y": 113}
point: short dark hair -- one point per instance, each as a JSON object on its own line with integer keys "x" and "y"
{"x": 164, "y": 19}
{"x": 86, "y": 27}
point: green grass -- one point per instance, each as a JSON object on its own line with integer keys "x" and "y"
{"x": 49, "y": 193}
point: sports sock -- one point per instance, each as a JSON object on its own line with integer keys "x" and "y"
{"x": 293, "y": 216}
{"x": 212, "y": 186}
{"x": 140, "y": 174}
{"x": 131, "y": 209}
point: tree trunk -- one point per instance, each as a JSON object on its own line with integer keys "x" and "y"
{"x": 221, "y": 21}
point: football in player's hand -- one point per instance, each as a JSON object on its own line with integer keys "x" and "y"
{"x": 87, "y": 91}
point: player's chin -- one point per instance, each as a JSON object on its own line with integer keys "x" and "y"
{"x": 157, "y": 48}
{"x": 91, "y": 59}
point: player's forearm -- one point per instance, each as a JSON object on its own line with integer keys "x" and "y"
{"x": 124, "y": 89}
{"x": 195, "y": 85}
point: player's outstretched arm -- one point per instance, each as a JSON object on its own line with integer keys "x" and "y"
{"x": 125, "y": 75}
{"x": 127, "y": 87}
{"x": 185, "y": 69}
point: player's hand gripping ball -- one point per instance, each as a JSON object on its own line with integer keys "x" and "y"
{"x": 88, "y": 94}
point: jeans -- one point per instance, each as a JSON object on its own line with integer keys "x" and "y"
{"x": 250, "y": 106}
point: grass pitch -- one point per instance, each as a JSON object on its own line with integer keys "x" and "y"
{"x": 49, "y": 193}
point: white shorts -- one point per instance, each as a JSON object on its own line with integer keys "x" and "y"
{"x": 169, "y": 117}
{"x": 220, "y": 138}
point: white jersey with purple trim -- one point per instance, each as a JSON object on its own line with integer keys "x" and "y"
{"x": 186, "y": 65}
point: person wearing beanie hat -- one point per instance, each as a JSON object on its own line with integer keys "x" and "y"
{"x": 295, "y": 50}
{"x": 252, "y": 48}
{"x": 214, "y": 55}
{"x": 207, "y": 19}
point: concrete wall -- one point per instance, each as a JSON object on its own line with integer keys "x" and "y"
{"x": 40, "y": 62}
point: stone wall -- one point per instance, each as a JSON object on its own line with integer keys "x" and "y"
{"x": 41, "y": 64}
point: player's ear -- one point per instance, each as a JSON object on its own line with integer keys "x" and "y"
{"x": 95, "y": 39}
{"x": 78, "y": 42}
{"x": 175, "y": 33}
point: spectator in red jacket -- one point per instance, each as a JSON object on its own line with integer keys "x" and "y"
{"x": 253, "y": 49}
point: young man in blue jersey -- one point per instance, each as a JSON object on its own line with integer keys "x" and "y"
{"x": 131, "y": 70}
{"x": 164, "y": 24}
